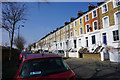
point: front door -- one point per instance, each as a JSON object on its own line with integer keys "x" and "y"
{"x": 104, "y": 39}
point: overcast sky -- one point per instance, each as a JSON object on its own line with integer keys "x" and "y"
{"x": 45, "y": 17}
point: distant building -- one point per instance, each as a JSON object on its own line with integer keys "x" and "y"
{"x": 99, "y": 26}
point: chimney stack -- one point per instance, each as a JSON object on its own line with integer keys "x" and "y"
{"x": 98, "y": 4}
{"x": 72, "y": 19}
{"x": 80, "y": 13}
{"x": 66, "y": 23}
{"x": 90, "y": 7}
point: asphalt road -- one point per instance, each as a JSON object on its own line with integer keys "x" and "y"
{"x": 83, "y": 68}
{"x": 91, "y": 69}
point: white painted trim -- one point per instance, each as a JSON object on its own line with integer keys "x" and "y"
{"x": 115, "y": 18}
{"x": 74, "y": 33}
{"x": 71, "y": 26}
{"x": 70, "y": 34}
{"x": 67, "y": 35}
{"x": 114, "y": 6}
{"x": 103, "y": 21}
{"x": 107, "y": 8}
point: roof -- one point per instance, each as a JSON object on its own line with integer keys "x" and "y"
{"x": 39, "y": 56}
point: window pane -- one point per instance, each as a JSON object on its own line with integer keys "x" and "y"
{"x": 93, "y": 39}
{"x": 115, "y": 35}
{"x": 95, "y": 25}
{"x": 94, "y": 13}
{"x": 118, "y": 17}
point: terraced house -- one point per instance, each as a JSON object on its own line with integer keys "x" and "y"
{"x": 99, "y": 26}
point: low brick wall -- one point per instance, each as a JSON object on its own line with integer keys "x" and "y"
{"x": 91, "y": 56}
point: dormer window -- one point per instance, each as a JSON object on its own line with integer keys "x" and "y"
{"x": 87, "y": 18}
{"x": 104, "y": 8}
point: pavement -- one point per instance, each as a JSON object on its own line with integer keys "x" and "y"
{"x": 92, "y": 69}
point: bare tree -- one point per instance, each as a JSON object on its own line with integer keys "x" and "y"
{"x": 13, "y": 13}
{"x": 29, "y": 47}
{"x": 19, "y": 42}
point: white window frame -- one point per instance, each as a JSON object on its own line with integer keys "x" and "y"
{"x": 93, "y": 14}
{"x": 92, "y": 39}
{"x": 67, "y": 27}
{"x": 115, "y": 20}
{"x": 94, "y": 25}
{"x": 75, "y": 23}
{"x": 70, "y": 33}
{"x": 86, "y": 28}
{"x": 64, "y": 36}
{"x": 67, "y": 35}
{"x": 81, "y": 21}
{"x": 86, "y": 18}
{"x": 115, "y": 35}
{"x": 64, "y": 29}
{"x": 103, "y": 9}
{"x": 80, "y": 30}
{"x": 114, "y": 3}
{"x": 75, "y": 32}
{"x": 104, "y": 23}
{"x": 70, "y": 26}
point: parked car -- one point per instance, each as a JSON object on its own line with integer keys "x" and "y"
{"x": 59, "y": 52}
{"x": 45, "y": 67}
{"x": 45, "y": 51}
{"x": 22, "y": 54}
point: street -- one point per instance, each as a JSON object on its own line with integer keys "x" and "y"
{"x": 85, "y": 69}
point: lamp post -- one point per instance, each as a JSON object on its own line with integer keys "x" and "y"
{"x": 19, "y": 30}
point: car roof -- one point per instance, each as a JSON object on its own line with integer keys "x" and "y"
{"x": 39, "y": 56}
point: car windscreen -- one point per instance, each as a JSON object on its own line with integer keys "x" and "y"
{"x": 60, "y": 51}
{"x": 25, "y": 53}
{"x": 43, "y": 67}
{"x": 46, "y": 51}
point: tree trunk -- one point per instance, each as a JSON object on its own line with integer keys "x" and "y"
{"x": 11, "y": 43}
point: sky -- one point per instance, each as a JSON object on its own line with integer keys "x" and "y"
{"x": 43, "y": 18}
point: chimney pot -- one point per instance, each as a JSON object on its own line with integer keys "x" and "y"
{"x": 72, "y": 19}
{"x": 80, "y": 13}
{"x": 90, "y": 7}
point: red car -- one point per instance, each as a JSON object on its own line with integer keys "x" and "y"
{"x": 44, "y": 67}
{"x": 22, "y": 54}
